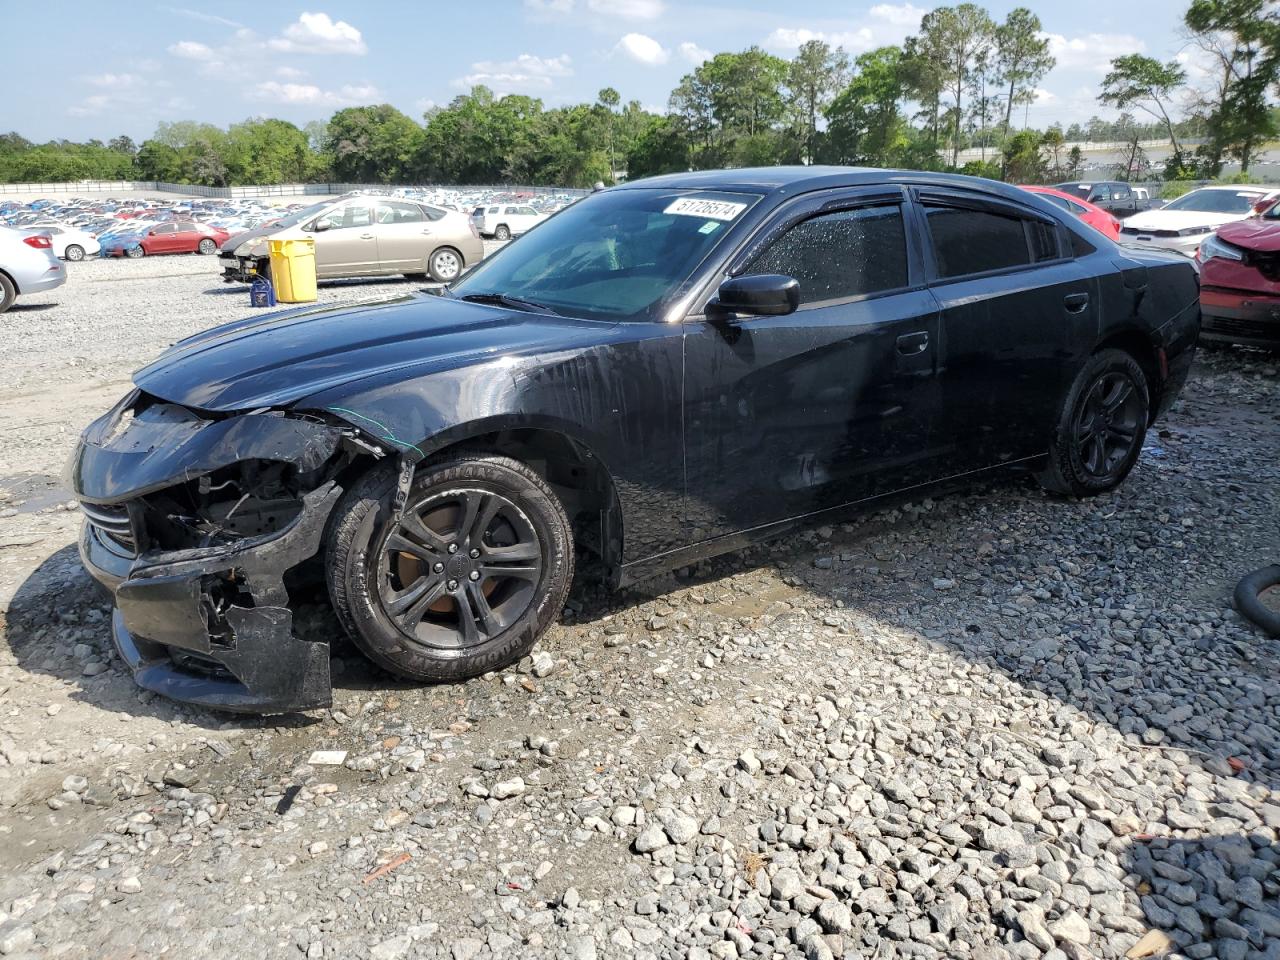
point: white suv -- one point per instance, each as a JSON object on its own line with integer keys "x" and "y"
{"x": 502, "y": 221}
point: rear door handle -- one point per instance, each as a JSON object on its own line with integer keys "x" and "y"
{"x": 1075, "y": 302}
{"x": 366, "y": 236}
{"x": 910, "y": 344}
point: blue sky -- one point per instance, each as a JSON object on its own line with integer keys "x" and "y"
{"x": 105, "y": 70}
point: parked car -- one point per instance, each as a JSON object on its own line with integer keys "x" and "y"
{"x": 27, "y": 265}
{"x": 1240, "y": 282}
{"x": 1182, "y": 224}
{"x": 173, "y": 236}
{"x": 1114, "y": 196}
{"x": 71, "y": 244}
{"x": 362, "y": 236}
{"x": 1095, "y": 217}
{"x": 503, "y": 221}
{"x": 663, "y": 371}
{"x": 1141, "y": 198}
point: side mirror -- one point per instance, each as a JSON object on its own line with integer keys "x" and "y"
{"x": 320, "y": 226}
{"x": 1265, "y": 204}
{"x": 760, "y": 295}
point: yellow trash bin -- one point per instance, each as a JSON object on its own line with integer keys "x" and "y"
{"x": 293, "y": 270}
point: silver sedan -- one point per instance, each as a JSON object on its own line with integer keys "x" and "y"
{"x": 28, "y": 264}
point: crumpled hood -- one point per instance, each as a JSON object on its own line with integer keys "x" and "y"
{"x": 1256, "y": 233}
{"x": 1178, "y": 219}
{"x": 281, "y": 358}
{"x": 236, "y": 240}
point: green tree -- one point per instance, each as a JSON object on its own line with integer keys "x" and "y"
{"x": 1054, "y": 141}
{"x": 864, "y": 122}
{"x": 122, "y": 144}
{"x": 1242, "y": 37}
{"x": 1022, "y": 57}
{"x": 608, "y": 99}
{"x": 1022, "y": 160}
{"x": 955, "y": 37}
{"x": 1139, "y": 81}
{"x": 662, "y": 148}
{"x": 375, "y": 144}
{"x": 814, "y": 78}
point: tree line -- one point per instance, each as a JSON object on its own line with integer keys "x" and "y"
{"x": 959, "y": 83}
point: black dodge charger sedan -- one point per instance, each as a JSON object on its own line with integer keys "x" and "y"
{"x": 661, "y": 372}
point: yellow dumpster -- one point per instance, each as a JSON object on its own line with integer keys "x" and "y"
{"x": 293, "y": 270}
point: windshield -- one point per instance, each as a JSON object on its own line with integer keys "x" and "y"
{"x": 298, "y": 216}
{"x": 1215, "y": 201}
{"x": 617, "y": 255}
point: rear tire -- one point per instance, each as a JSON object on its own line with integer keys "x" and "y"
{"x": 74, "y": 252}
{"x": 465, "y": 582}
{"x": 8, "y": 293}
{"x": 207, "y": 247}
{"x": 133, "y": 253}
{"x": 502, "y": 233}
{"x": 445, "y": 265}
{"x": 1101, "y": 427}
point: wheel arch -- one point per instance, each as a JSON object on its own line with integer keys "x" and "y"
{"x": 17, "y": 289}
{"x": 1147, "y": 352}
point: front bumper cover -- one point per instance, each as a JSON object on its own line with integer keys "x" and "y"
{"x": 207, "y": 625}
{"x": 169, "y": 630}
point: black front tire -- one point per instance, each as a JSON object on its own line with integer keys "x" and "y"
{"x": 133, "y": 253}
{"x": 8, "y": 293}
{"x": 364, "y": 533}
{"x": 1101, "y": 427}
{"x": 502, "y": 233}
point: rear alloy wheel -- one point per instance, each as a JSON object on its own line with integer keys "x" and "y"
{"x": 207, "y": 247}
{"x": 464, "y": 581}
{"x": 8, "y": 293}
{"x": 445, "y": 265}
{"x": 502, "y": 233}
{"x": 1101, "y": 427}
{"x": 134, "y": 252}
{"x": 74, "y": 252}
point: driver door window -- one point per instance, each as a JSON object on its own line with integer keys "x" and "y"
{"x": 349, "y": 215}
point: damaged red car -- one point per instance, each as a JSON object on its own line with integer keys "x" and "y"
{"x": 1240, "y": 282}
{"x": 664, "y": 371}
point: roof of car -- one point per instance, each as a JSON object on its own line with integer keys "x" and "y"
{"x": 800, "y": 179}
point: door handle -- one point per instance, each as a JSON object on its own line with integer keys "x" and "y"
{"x": 366, "y": 236}
{"x": 911, "y": 344}
{"x": 1075, "y": 302}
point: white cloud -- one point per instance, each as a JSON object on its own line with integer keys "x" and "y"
{"x": 425, "y": 105}
{"x": 114, "y": 81}
{"x": 694, "y": 53}
{"x": 628, "y": 9}
{"x": 205, "y": 17}
{"x": 1093, "y": 51}
{"x": 524, "y": 72}
{"x": 1042, "y": 96}
{"x": 90, "y": 106}
{"x": 316, "y": 33}
{"x": 791, "y": 38}
{"x": 549, "y": 6}
{"x": 290, "y": 73}
{"x": 191, "y": 50}
{"x": 643, "y": 49}
{"x": 901, "y": 15}
{"x": 308, "y": 94}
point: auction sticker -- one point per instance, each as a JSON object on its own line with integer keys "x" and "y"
{"x": 699, "y": 207}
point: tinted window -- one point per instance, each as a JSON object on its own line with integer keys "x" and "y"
{"x": 846, "y": 254}
{"x": 432, "y": 213}
{"x": 1216, "y": 201}
{"x": 1062, "y": 202}
{"x": 529, "y": 211}
{"x": 1120, "y": 193}
{"x": 1079, "y": 245}
{"x": 1044, "y": 240}
{"x": 391, "y": 211}
{"x": 1101, "y": 192}
{"x": 974, "y": 241}
{"x": 512, "y": 210}
{"x": 349, "y": 215}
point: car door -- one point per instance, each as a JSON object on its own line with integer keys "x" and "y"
{"x": 1123, "y": 201}
{"x": 831, "y": 404}
{"x": 160, "y": 238}
{"x": 346, "y": 245}
{"x": 1017, "y": 313}
{"x": 186, "y": 238}
{"x": 404, "y": 236}
{"x": 1100, "y": 196}
{"x": 528, "y": 219}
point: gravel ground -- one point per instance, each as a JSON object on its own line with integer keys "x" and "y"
{"x": 991, "y": 725}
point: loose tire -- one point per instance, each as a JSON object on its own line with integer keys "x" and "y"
{"x": 206, "y": 247}
{"x": 466, "y": 581}
{"x": 502, "y": 233}
{"x": 1100, "y": 428}
{"x": 74, "y": 252}
{"x": 134, "y": 252}
{"x": 445, "y": 265}
{"x": 8, "y": 293}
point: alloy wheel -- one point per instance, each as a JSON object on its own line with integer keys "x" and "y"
{"x": 1109, "y": 424}
{"x": 445, "y": 265}
{"x": 459, "y": 568}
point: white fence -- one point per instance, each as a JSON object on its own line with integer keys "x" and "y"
{"x": 265, "y": 190}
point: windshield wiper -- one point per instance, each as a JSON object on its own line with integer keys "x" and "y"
{"x": 505, "y": 300}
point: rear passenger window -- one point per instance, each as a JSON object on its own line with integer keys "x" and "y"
{"x": 975, "y": 241}
{"x": 850, "y": 253}
{"x": 1044, "y": 240}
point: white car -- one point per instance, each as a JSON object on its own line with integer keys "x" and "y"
{"x": 1182, "y": 224}
{"x": 502, "y": 221}
{"x": 27, "y": 265}
{"x": 70, "y": 243}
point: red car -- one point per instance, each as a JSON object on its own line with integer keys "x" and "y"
{"x": 178, "y": 236}
{"x": 1095, "y": 217}
{"x": 1240, "y": 282}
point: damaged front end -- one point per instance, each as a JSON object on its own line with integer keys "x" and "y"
{"x": 193, "y": 521}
